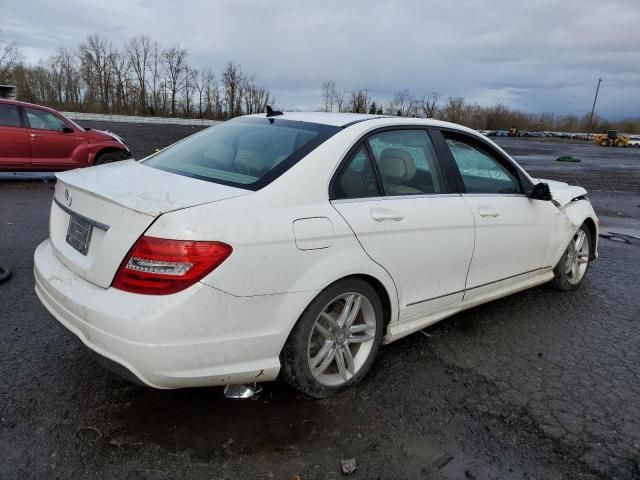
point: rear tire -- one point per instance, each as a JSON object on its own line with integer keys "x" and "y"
{"x": 335, "y": 341}
{"x": 109, "y": 157}
{"x": 574, "y": 263}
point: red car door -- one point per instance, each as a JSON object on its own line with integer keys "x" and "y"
{"x": 14, "y": 139}
{"x": 55, "y": 145}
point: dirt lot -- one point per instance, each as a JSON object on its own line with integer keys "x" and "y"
{"x": 539, "y": 385}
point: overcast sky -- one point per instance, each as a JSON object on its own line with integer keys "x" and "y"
{"x": 536, "y": 55}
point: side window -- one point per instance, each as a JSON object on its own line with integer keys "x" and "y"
{"x": 9, "y": 115}
{"x": 358, "y": 179}
{"x": 407, "y": 162}
{"x": 42, "y": 120}
{"x": 481, "y": 172}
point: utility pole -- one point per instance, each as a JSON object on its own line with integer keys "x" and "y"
{"x": 593, "y": 108}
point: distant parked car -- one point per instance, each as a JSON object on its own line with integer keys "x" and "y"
{"x": 577, "y": 136}
{"x": 634, "y": 141}
{"x": 36, "y": 138}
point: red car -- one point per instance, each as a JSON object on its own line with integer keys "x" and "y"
{"x": 35, "y": 138}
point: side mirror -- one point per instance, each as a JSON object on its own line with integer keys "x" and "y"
{"x": 66, "y": 129}
{"x": 541, "y": 191}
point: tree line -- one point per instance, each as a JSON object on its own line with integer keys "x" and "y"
{"x": 458, "y": 110}
{"x": 142, "y": 77}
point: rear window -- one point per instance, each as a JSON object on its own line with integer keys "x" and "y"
{"x": 247, "y": 152}
{"x": 9, "y": 115}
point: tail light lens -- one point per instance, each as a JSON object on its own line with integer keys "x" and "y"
{"x": 157, "y": 266}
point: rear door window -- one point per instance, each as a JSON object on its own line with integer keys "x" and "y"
{"x": 358, "y": 178}
{"x": 407, "y": 162}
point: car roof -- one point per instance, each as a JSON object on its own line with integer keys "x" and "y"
{"x": 346, "y": 119}
{"x": 323, "y": 118}
{"x": 24, "y": 104}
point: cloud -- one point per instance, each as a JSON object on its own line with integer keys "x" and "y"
{"x": 542, "y": 55}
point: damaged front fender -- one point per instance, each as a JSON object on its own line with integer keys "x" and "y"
{"x": 571, "y": 216}
{"x": 563, "y": 193}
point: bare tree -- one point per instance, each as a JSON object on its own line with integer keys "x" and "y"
{"x": 413, "y": 107}
{"x": 340, "y": 100}
{"x": 190, "y": 87}
{"x": 10, "y": 56}
{"x": 429, "y": 104}
{"x": 95, "y": 67}
{"x": 359, "y": 102}
{"x": 121, "y": 81}
{"x": 176, "y": 68}
{"x": 56, "y": 79}
{"x": 328, "y": 95}
{"x": 203, "y": 88}
{"x": 139, "y": 52}
{"x": 256, "y": 98}
{"x": 399, "y": 104}
{"x": 453, "y": 110}
{"x": 213, "y": 99}
{"x": 155, "y": 83}
{"x": 233, "y": 83}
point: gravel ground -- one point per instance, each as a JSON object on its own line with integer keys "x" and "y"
{"x": 539, "y": 385}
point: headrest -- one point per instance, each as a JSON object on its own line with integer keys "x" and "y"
{"x": 219, "y": 154}
{"x": 397, "y": 164}
{"x": 352, "y": 184}
{"x": 249, "y": 161}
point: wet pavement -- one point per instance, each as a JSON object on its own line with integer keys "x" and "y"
{"x": 538, "y": 385}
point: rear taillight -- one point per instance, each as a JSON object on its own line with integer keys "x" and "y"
{"x": 157, "y": 266}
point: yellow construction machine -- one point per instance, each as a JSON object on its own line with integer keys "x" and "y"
{"x": 611, "y": 139}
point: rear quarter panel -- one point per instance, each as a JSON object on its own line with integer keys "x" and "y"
{"x": 265, "y": 258}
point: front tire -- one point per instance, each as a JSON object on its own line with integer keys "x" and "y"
{"x": 109, "y": 157}
{"x": 574, "y": 263}
{"x": 335, "y": 341}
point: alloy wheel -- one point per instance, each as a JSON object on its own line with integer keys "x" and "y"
{"x": 341, "y": 339}
{"x": 577, "y": 257}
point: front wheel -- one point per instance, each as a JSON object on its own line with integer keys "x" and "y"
{"x": 335, "y": 340}
{"x": 573, "y": 265}
{"x": 109, "y": 157}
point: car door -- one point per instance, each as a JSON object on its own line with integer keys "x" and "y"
{"x": 54, "y": 144}
{"x": 14, "y": 139}
{"x": 393, "y": 192}
{"x": 512, "y": 230}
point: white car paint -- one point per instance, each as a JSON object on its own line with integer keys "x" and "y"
{"x": 289, "y": 243}
{"x": 448, "y": 224}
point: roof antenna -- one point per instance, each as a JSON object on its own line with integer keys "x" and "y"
{"x": 273, "y": 113}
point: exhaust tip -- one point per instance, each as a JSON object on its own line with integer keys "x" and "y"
{"x": 243, "y": 391}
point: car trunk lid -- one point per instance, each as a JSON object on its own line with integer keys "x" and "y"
{"x": 98, "y": 213}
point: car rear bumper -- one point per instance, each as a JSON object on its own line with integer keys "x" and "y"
{"x": 198, "y": 337}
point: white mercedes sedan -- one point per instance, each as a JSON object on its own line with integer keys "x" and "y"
{"x": 293, "y": 245}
